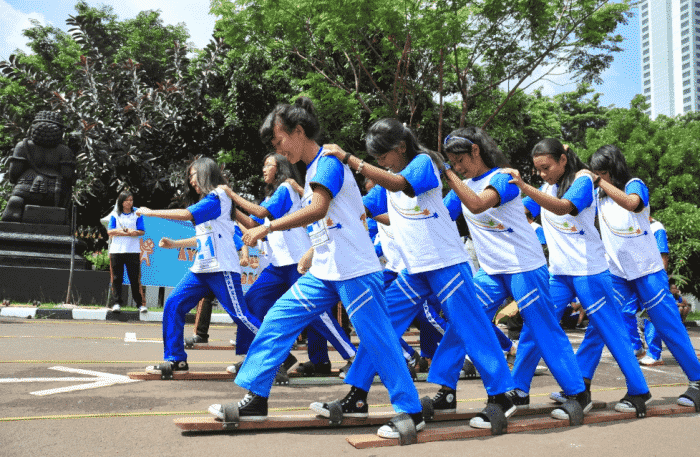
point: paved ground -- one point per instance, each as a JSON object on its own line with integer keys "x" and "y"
{"x": 111, "y": 417}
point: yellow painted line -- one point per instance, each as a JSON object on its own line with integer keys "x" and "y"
{"x": 74, "y": 362}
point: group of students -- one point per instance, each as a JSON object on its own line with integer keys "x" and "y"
{"x": 321, "y": 253}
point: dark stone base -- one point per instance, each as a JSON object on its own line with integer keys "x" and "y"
{"x": 39, "y": 245}
{"x": 49, "y": 285}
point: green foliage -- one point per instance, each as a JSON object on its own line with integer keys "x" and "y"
{"x": 99, "y": 259}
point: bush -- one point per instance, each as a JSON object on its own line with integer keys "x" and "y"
{"x": 100, "y": 259}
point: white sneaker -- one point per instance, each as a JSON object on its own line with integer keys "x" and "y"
{"x": 649, "y": 361}
{"x": 116, "y": 308}
{"x": 143, "y": 309}
{"x": 541, "y": 369}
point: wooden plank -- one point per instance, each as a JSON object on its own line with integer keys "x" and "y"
{"x": 310, "y": 420}
{"x": 527, "y": 424}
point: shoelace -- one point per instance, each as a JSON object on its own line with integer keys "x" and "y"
{"x": 247, "y": 399}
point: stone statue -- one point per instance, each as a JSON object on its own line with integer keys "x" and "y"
{"x": 42, "y": 169}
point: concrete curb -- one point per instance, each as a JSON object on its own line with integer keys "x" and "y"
{"x": 102, "y": 314}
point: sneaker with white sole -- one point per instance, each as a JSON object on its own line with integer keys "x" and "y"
{"x": 445, "y": 401}
{"x": 649, "y": 361}
{"x": 693, "y": 390}
{"x": 116, "y": 308}
{"x": 389, "y": 429}
{"x": 190, "y": 341}
{"x": 251, "y": 408}
{"x": 180, "y": 367}
{"x": 343, "y": 371}
{"x": 235, "y": 368}
{"x": 504, "y": 401}
{"x": 520, "y": 398}
{"x": 143, "y": 309}
{"x": 353, "y": 405}
{"x": 559, "y": 397}
{"x": 583, "y": 399}
{"x": 639, "y": 353}
{"x": 626, "y": 406}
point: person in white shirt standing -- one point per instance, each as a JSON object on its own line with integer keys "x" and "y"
{"x": 125, "y": 230}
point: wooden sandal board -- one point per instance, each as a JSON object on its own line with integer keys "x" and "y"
{"x": 295, "y": 379}
{"x": 526, "y": 424}
{"x": 296, "y": 421}
{"x": 229, "y": 347}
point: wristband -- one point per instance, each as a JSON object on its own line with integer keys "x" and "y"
{"x": 596, "y": 180}
{"x": 346, "y": 158}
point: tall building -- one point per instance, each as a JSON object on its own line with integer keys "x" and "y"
{"x": 670, "y": 44}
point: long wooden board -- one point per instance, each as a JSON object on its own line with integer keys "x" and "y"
{"x": 514, "y": 426}
{"x": 295, "y": 421}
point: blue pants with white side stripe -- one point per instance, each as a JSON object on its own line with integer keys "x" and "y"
{"x": 225, "y": 285}
{"x": 272, "y": 283}
{"x": 530, "y": 290}
{"x": 596, "y": 296}
{"x": 363, "y": 298}
{"x": 468, "y": 327}
{"x": 656, "y": 298}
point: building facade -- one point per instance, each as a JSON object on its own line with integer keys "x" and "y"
{"x": 670, "y": 45}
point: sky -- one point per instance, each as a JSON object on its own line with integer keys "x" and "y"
{"x": 621, "y": 82}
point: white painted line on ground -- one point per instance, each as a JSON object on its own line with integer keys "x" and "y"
{"x": 100, "y": 379}
{"x": 130, "y": 337}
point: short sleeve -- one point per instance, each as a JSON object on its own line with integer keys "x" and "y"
{"x": 112, "y": 223}
{"x": 257, "y": 219}
{"x": 206, "y": 209}
{"x": 139, "y": 224}
{"x": 375, "y": 201}
{"x": 638, "y": 187}
{"x": 238, "y": 238}
{"x": 420, "y": 174}
{"x": 507, "y": 191}
{"x": 661, "y": 241}
{"x": 532, "y": 206}
{"x": 453, "y": 204}
{"x": 540, "y": 235}
{"x": 329, "y": 174}
{"x": 279, "y": 203}
{"x": 580, "y": 194}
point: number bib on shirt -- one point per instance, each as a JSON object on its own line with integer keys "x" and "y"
{"x": 206, "y": 250}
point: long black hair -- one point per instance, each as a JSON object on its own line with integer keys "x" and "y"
{"x": 553, "y": 148}
{"x": 609, "y": 158}
{"x": 387, "y": 134}
{"x": 302, "y": 113}
{"x": 284, "y": 171}
{"x": 121, "y": 199}
{"x": 209, "y": 176}
{"x": 460, "y": 142}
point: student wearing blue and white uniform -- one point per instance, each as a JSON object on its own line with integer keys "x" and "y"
{"x": 283, "y": 250}
{"x": 125, "y": 230}
{"x": 435, "y": 259}
{"x": 653, "y": 338}
{"x": 344, "y": 268}
{"x": 511, "y": 259}
{"x": 432, "y": 326}
{"x": 216, "y": 265}
{"x": 577, "y": 266}
{"x": 635, "y": 262}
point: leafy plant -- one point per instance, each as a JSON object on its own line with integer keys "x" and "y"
{"x": 100, "y": 259}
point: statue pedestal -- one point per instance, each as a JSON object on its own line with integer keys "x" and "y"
{"x": 39, "y": 245}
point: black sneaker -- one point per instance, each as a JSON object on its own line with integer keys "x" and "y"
{"x": 235, "y": 368}
{"x": 445, "y": 401}
{"x": 311, "y": 369}
{"x": 390, "y": 431}
{"x": 354, "y": 405}
{"x": 422, "y": 365}
{"x": 281, "y": 378}
{"x": 345, "y": 368}
{"x": 626, "y": 406}
{"x": 504, "y": 401}
{"x": 686, "y": 399}
{"x": 190, "y": 341}
{"x": 251, "y": 408}
{"x": 520, "y": 399}
{"x": 583, "y": 399}
{"x": 180, "y": 367}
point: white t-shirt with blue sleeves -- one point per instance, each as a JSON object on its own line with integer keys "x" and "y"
{"x": 427, "y": 237}
{"x": 342, "y": 246}
{"x": 287, "y": 246}
{"x": 628, "y": 237}
{"x": 503, "y": 239}
{"x": 214, "y": 230}
{"x": 125, "y": 244}
{"x": 575, "y": 247}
